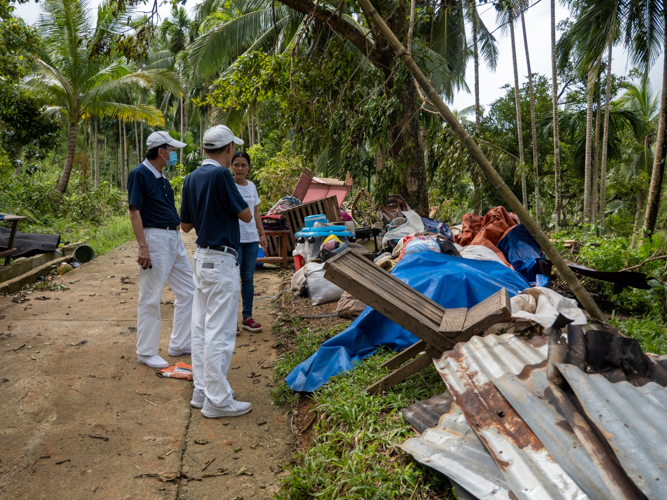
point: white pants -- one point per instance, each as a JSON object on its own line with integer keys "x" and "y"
{"x": 214, "y": 317}
{"x": 171, "y": 265}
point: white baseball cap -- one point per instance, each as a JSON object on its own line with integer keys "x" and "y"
{"x": 159, "y": 138}
{"x": 219, "y": 136}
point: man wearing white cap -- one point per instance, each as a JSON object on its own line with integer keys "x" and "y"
{"x": 162, "y": 256}
{"x": 212, "y": 206}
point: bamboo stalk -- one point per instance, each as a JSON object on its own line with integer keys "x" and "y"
{"x": 488, "y": 169}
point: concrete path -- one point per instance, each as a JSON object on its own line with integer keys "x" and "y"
{"x": 82, "y": 419}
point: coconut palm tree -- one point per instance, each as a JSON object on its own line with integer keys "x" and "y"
{"x": 533, "y": 130}
{"x": 554, "y": 98}
{"x": 482, "y": 41}
{"x": 643, "y": 28}
{"x": 79, "y": 80}
{"x": 507, "y": 16}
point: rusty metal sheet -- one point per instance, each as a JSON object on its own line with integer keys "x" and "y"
{"x": 529, "y": 469}
{"x": 634, "y": 422}
{"x": 453, "y": 448}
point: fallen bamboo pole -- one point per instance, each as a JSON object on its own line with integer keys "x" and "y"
{"x": 488, "y": 169}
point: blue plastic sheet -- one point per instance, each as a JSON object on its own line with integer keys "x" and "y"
{"x": 437, "y": 227}
{"x": 522, "y": 251}
{"x": 449, "y": 281}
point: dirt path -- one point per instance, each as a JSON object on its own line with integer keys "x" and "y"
{"x": 82, "y": 419}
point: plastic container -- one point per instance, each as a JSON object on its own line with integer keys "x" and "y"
{"x": 260, "y": 254}
{"x": 299, "y": 262}
{"x": 312, "y": 219}
{"x": 84, "y": 253}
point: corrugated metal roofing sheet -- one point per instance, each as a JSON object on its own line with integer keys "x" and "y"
{"x": 453, "y": 448}
{"x": 634, "y": 422}
{"x": 530, "y": 471}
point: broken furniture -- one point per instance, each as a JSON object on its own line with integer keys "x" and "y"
{"x": 438, "y": 328}
{"x": 9, "y": 249}
{"x": 295, "y": 218}
{"x": 281, "y": 237}
{"x": 311, "y": 188}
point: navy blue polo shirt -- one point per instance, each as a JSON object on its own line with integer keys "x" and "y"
{"x": 152, "y": 196}
{"x": 212, "y": 203}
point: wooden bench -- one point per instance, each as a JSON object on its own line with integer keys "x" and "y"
{"x": 296, "y": 219}
{"x": 282, "y": 236}
{"x": 10, "y": 250}
{"x": 438, "y": 328}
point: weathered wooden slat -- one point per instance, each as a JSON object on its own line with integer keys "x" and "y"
{"x": 495, "y": 309}
{"x": 438, "y": 328}
{"x": 404, "y": 355}
{"x": 453, "y": 320}
{"x": 397, "y": 376}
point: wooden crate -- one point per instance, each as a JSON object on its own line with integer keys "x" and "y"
{"x": 295, "y": 218}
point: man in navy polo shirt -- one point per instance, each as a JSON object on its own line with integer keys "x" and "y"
{"x": 162, "y": 256}
{"x": 212, "y": 206}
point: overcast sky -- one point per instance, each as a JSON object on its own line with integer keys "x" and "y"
{"x": 539, "y": 39}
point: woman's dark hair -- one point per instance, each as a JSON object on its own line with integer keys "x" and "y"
{"x": 151, "y": 154}
{"x": 241, "y": 154}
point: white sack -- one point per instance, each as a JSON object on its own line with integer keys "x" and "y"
{"x": 320, "y": 289}
{"x": 299, "y": 282}
{"x": 414, "y": 225}
{"x": 479, "y": 252}
{"x": 543, "y": 305}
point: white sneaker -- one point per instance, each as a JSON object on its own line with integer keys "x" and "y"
{"x": 154, "y": 361}
{"x": 233, "y": 409}
{"x": 198, "y": 399}
{"x": 176, "y": 352}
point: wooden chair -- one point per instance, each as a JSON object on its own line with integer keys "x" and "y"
{"x": 295, "y": 218}
{"x": 438, "y": 328}
{"x": 283, "y": 237}
{"x": 10, "y": 250}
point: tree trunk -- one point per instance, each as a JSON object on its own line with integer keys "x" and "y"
{"x": 69, "y": 159}
{"x": 653, "y": 201}
{"x": 259, "y": 135}
{"x": 126, "y": 159}
{"x": 639, "y": 196}
{"x": 475, "y": 43}
{"x": 588, "y": 155}
{"x": 519, "y": 129}
{"x": 136, "y": 141}
{"x": 605, "y": 141}
{"x": 533, "y": 130}
{"x": 105, "y": 154}
{"x": 406, "y": 151}
{"x": 556, "y": 136}
{"x": 596, "y": 158}
{"x": 19, "y": 156}
{"x": 97, "y": 163}
{"x": 180, "y": 79}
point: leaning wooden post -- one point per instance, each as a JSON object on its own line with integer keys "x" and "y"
{"x": 488, "y": 169}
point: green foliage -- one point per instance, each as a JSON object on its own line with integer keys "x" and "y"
{"x": 275, "y": 174}
{"x": 345, "y": 460}
{"x": 651, "y": 331}
{"x": 115, "y": 232}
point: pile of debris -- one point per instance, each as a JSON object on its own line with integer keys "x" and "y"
{"x": 575, "y": 415}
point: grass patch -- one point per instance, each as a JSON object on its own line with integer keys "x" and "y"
{"x": 650, "y": 331}
{"x": 115, "y": 233}
{"x": 354, "y": 453}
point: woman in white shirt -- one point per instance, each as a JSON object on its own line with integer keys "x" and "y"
{"x": 252, "y": 235}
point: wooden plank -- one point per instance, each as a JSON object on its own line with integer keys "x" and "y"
{"x": 7, "y": 253}
{"x": 495, "y": 309}
{"x": 402, "y": 292}
{"x": 453, "y": 320}
{"x": 410, "y": 317}
{"x": 405, "y": 371}
{"x": 404, "y": 355}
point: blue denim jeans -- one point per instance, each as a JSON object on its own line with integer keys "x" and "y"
{"x": 247, "y": 260}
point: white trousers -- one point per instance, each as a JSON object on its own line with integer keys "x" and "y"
{"x": 214, "y": 317}
{"x": 170, "y": 265}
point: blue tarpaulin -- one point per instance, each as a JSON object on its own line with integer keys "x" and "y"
{"x": 449, "y": 281}
{"x": 522, "y": 251}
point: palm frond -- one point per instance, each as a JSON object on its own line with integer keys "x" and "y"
{"x": 127, "y": 112}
